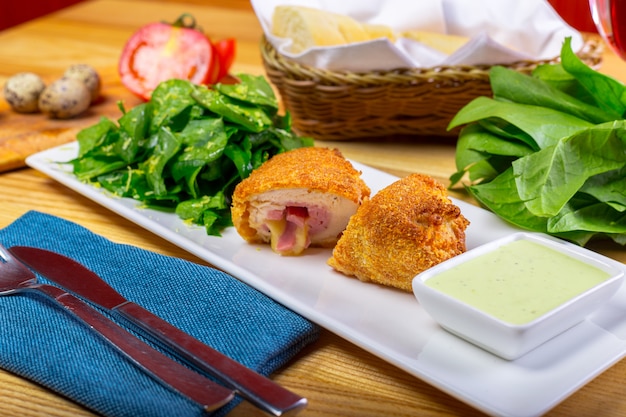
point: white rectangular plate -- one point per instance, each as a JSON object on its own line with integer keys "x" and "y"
{"x": 387, "y": 322}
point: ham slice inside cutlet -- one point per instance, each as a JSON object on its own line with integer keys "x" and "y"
{"x": 294, "y": 219}
{"x": 298, "y": 199}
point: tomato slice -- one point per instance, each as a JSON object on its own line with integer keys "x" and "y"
{"x": 225, "y": 50}
{"x": 213, "y": 75}
{"x": 159, "y": 51}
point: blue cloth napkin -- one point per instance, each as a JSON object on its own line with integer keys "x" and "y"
{"x": 42, "y": 342}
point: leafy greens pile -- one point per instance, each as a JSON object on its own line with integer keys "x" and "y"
{"x": 548, "y": 151}
{"x": 188, "y": 147}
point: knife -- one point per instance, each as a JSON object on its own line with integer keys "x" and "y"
{"x": 257, "y": 389}
{"x": 195, "y": 386}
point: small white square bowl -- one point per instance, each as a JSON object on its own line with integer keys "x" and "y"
{"x": 505, "y": 338}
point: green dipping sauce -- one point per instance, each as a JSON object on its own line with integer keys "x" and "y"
{"x": 519, "y": 281}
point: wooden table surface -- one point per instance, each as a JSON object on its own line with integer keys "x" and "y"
{"x": 338, "y": 378}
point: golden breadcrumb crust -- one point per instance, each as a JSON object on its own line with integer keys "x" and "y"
{"x": 314, "y": 168}
{"x": 404, "y": 229}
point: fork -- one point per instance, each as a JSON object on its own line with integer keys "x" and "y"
{"x": 16, "y": 278}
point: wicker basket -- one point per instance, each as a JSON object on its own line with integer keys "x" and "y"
{"x": 328, "y": 105}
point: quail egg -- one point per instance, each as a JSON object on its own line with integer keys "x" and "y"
{"x": 22, "y": 92}
{"x": 87, "y": 75}
{"x": 64, "y": 99}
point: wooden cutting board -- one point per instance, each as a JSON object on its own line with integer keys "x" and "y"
{"x": 22, "y": 135}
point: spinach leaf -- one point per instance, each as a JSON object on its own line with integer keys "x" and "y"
{"x": 555, "y": 75}
{"x": 167, "y": 145}
{"x": 547, "y": 179}
{"x": 247, "y": 115}
{"x": 136, "y": 122}
{"x": 241, "y": 156}
{"x": 94, "y": 136}
{"x": 255, "y": 90}
{"x": 484, "y": 155}
{"x": 505, "y": 130}
{"x": 97, "y": 153}
{"x": 204, "y": 141}
{"x": 172, "y": 102}
{"x": 587, "y": 214}
{"x": 546, "y": 126}
{"x": 87, "y": 167}
{"x": 213, "y": 212}
{"x": 608, "y": 188}
{"x": 483, "y": 141}
{"x": 609, "y": 94}
{"x": 514, "y": 86}
{"x": 500, "y": 196}
{"x": 126, "y": 182}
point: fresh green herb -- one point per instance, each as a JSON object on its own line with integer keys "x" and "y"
{"x": 548, "y": 151}
{"x": 188, "y": 147}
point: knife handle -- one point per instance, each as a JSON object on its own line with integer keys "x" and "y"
{"x": 257, "y": 389}
{"x": 196, "y": 387}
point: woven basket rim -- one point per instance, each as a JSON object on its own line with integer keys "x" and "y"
{"x": 590, "y": 53}
{"x": 344, "y": 105}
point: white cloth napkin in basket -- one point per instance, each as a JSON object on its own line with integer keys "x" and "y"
{"x": 499, "y": 32}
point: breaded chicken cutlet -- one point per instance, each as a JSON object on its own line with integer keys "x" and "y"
{"x": 406, "y": 228}
{"x": 298, "y": 199}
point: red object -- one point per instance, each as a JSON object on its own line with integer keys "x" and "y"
{"x": 576, "y": 13}
{"x": 162, "y": 51}
{"x": 299, "y": 212}
{"x": 225, "y": 50}
{"x": 616, "y": 35}
{"x": 13, "y": 13}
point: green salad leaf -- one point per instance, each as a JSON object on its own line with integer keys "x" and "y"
{"x": 548, "y": 152}
{"x": 186, "y": 149}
